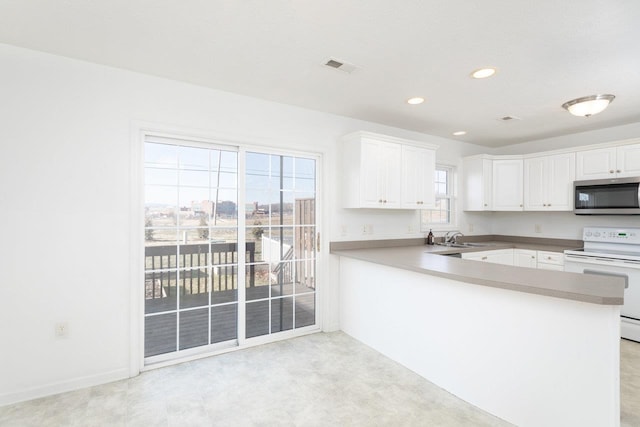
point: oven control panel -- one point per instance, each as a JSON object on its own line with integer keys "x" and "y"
{"x": 611, "y": 235}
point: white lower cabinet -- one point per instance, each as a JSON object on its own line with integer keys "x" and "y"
{"x": 543, "y": 260}
{"x": 550, "y": 261}
{"x": 525, "y": 258}
{"x": 498, "y": 256}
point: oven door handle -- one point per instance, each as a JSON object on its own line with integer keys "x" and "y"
{"x": 606, "y": 273}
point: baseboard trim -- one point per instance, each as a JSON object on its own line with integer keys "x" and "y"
{"x": 63, "y": 386}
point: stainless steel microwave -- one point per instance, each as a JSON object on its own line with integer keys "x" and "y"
{"x": 616, "y": 196}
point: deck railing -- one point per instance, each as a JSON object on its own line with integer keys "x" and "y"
{"x": 192, "y": 261}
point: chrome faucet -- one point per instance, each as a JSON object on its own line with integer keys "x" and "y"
{"x": 452, "y": 236}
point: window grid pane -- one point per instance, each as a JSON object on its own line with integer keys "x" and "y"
{"x": 441, "y": 214}
{"x": 191, "y": 245}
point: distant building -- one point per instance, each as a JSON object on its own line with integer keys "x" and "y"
{"x": 207, "y": 207}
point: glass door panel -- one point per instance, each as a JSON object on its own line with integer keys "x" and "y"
{"x": 191, "y": 247}
{"x": 280, "y": 221}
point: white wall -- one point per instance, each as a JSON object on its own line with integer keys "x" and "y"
{"x": 561, "y": 225}
{"x": 65, "y": 153}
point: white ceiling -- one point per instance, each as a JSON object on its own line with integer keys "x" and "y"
{"x": 547, "y": 52}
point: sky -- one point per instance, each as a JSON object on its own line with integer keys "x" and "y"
{"x": 178, "y": 175}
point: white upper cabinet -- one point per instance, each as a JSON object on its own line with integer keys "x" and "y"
{"x": 418, "y": 169}
{"x": 596, "y": 164}
{"x": 507, "y": 185}
{"x": 379, "y": 179}
{"x": 611, "y": 162}
{"x": 548, "y": 182}
{"x": 374, "y": 173}
{"x": 628, "y": 160}
{"x": 478, "y": 183}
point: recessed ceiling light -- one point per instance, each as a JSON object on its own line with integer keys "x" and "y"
{"x": 415, "y": 100}
{"x": 483, "y": 73}
{"x": 460, "y": 133}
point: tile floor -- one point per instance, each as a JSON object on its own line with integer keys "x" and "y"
{"x": 317, "y": 380}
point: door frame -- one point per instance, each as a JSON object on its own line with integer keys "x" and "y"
{"x": 139, "y": 131}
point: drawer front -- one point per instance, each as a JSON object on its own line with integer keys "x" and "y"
{"x": 556, "y": 258}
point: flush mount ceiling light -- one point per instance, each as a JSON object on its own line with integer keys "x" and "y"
{"x": 460, "y": 133}
{"x": 483, "y": 73}
{"x": 588, "y": 105}
{"x": 415, "y": 100}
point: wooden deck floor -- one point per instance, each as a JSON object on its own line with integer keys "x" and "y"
{"x": 161, "y": 331}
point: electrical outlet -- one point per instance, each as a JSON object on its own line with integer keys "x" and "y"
{"x": 538, "y": 228}
{"x": 470, "y": 228}
{"x": 364, "y": 229}
{"x": 61, "y": 330}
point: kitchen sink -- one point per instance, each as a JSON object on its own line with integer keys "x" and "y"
{"x": 462, "y": 245}
{"x": 452, "y": 245}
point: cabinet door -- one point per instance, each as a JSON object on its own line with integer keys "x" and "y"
{"x": 476, "y": 256}
{"x": 499, "y": 256}
{"x": 390, "y": 162}
{"x": 535, "y": 183}
{"x": 596, "y": 164}
{"x": 371, "y": 177}
{"x": 628, "y": 160}
{"x": 524, "y": 258}
{"x": 561, "y": 173}
{"x": 502, "y": 256}
{"x": 507, "y": 185}
{"x": 418, "y": 167}
{"x": 478, "y": 173}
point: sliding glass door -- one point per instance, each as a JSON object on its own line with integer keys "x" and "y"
{"x": 199, "y": 268}
{"x": 281, "y": 224}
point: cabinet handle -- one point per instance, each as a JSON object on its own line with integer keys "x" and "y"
{"x": 533, "y": 257}
{"x": 549, "y": 258}
{"x": 544, "y": 204}
{"x": 380, "y": 201}
{"x": 521, "y": 205}
{"x": 484, "y": 257}
{"x": 384, "y": 201}
{"x": 486, "y": 204}
{"x": 618, "y": 171}
{"x": 548, "y": 204}
{"x": 611, "y": 171}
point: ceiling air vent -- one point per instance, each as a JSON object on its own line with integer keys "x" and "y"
{"x": 340, "y": 65}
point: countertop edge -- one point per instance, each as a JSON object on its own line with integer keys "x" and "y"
{"x": 500, "y": 284}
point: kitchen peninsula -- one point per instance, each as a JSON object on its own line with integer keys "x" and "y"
{"x": 534, "y": 347}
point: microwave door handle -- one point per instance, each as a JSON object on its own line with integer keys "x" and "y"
{"x": 606, "y": 273}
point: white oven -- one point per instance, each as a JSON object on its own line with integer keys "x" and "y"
{"x": 613, "y": 252}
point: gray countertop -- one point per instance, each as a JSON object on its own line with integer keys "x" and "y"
{"x": 428, "y": 260}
